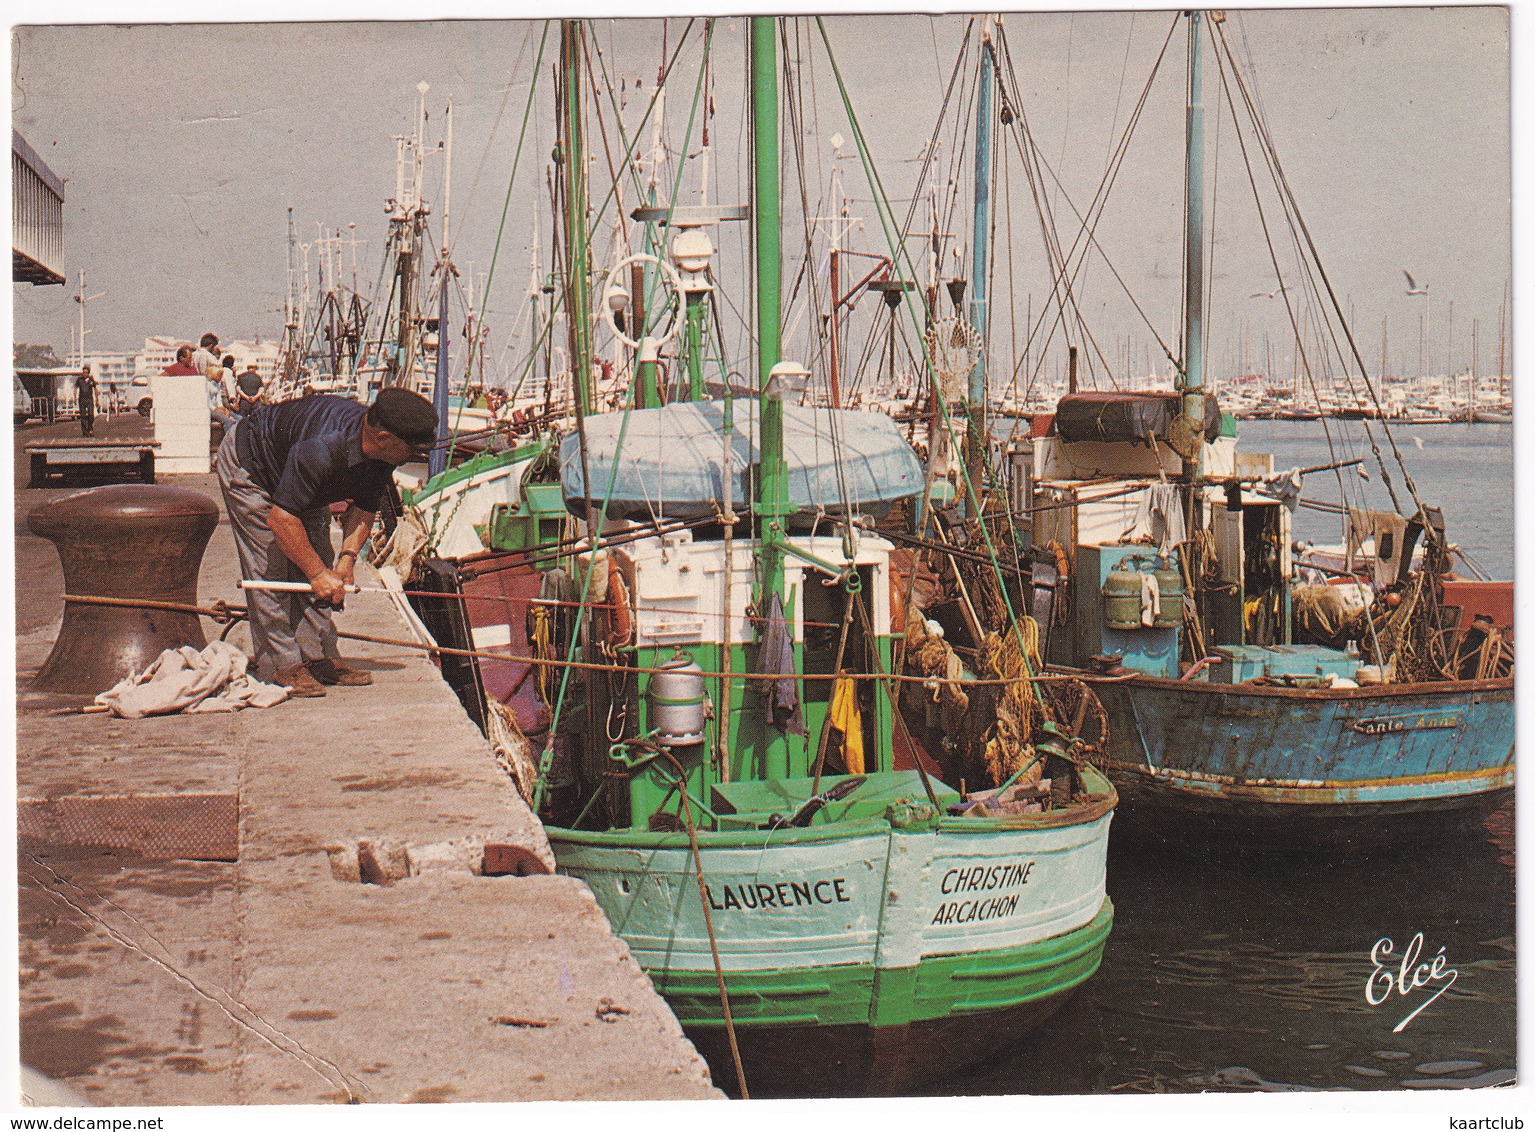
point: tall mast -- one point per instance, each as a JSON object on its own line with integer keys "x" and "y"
{"x": 1190, "y": 381}
{"x": 290, "y": 315}
{"x": 573, "y": 161}
{"x": 437, "y": 460}
{"x": 772, "y": 479}
{"x": 975, "y": 433}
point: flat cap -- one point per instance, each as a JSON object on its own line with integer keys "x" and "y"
{"x": 407, "y": 415}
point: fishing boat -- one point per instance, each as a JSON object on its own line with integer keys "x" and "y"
{"x": 687, "y": 621}
{"x": 1237, "y": 694}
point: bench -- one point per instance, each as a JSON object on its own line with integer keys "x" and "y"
{"x": 100, "y": 459}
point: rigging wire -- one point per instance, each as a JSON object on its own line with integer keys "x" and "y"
{"x": 1314, "y": 257}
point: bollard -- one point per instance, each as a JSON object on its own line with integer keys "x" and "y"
{"x": 123, "y": 541}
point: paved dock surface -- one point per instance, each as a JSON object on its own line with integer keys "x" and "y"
{"x": 150, "y": 978}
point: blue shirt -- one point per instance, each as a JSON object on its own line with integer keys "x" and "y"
{"x": 307, "y": 453}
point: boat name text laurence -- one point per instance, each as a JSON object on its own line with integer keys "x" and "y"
{"x": 783, "y": 894}
{"x": 1395, "y": 723}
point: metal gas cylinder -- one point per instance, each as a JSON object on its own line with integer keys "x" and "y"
{"x": 131, "y": 541}
{"x": 1170, "y": 588}
{"x": 678, "y": 705}
{"x": 1122, "y": 597}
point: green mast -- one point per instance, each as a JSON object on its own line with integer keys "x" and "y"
{"x": 772, "y": 503}
{"x": 573, "y": 160}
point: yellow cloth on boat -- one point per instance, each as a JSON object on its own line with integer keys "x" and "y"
{"x": 847, "y": 717}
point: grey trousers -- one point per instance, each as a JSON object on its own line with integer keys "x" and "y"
{"x": 286, "y": 628}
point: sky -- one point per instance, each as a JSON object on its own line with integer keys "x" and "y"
{"x": 184, "y": 146}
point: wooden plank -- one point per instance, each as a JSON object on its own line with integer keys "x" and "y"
{"x": 89, "y": 442}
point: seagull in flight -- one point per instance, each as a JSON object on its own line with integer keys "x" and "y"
{"x": 1274, "y": 294}
{"x": 1412, "y": 285}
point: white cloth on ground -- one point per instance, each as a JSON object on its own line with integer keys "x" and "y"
{"x": 186, "y": 680}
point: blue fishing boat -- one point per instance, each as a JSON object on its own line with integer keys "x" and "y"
{"x": 1237, "y": 684}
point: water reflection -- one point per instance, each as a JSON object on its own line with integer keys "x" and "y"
{"x": 1232, "y": 971}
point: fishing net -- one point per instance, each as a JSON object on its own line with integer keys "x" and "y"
{"x": 1322, "y": 615}
{"x": 1409, "y": 626}
{"x": 1018, "y": 712}
{"x": 513, "y": 752}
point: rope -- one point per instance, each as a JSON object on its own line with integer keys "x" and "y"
{"x": 703, "y": 900}
{"x": 226, "y": 612}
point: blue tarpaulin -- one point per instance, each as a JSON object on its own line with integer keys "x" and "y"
{"x": 672, "y": 462}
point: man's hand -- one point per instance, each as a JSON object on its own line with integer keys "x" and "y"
{"x": 329, "y": 588}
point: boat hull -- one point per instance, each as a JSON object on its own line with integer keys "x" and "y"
{"x": 1253, "y": 754}
{"x": 893, "y": 950}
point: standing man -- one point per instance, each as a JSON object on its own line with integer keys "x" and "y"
{"x": 280, "y": 469}
{"x": 221, "y": 385}
{"x": 248, "y": 388}
{"x": 206, "y": 359}
{"x": 85, "y": 396}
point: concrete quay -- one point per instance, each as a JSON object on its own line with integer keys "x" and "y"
{"x": 153, "y": 975}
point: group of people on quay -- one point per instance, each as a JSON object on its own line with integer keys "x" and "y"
{"x": 231, "y": 394}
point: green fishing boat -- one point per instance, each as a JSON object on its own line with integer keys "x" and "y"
{"x": 735, "y": 746}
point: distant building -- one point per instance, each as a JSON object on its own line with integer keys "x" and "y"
{"x": 37, "y": 218}
{"x": 158, "y": 353}
{"x": 266, "y": 355}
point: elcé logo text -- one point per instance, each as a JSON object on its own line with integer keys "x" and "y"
{"x": 1400, "y": 978}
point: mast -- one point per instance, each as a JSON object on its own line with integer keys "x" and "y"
{"x": 1502, "y": 318}
{"x": 573, "y": 163}
{"x": 975, "y": 433}
{"x": 290, "y": 314}
{"x": 437, "y": 459}
{"x": 772, "y": 479}
{"x": 1190, "y": 380}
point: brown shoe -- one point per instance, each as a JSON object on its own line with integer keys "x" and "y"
{"x": 328, "y": 671}
{"x": 298, "y": 681}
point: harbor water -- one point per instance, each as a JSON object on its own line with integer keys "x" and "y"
{"x": 1231, "y": 971}
{"x": 1467, "y": 470}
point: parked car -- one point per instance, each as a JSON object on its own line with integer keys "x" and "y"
{"x": 23, "y": 402}
{"x": 145, "y": 404}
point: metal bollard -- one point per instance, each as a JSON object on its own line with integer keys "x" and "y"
{"x": 123, "y": 541}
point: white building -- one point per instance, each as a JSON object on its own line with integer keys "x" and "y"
{"x": 266, "y": 355}
{"x": 158, "y": 353}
